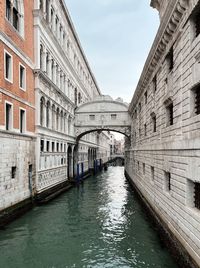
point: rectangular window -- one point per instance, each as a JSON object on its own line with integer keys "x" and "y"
{"x": 195, "y": 20}
{"x": 170, "y": 60}
{"x": 22, "y": 77}
{"x": 143, "y": 168}
{"x": 153, "y": 118}
{"x": 8, "y": 10}
{"x": 15, "y": 18}
{"x": 113, "y": 116}
{"x": 170, "y": 117}
{"x": 92, "y": 117}
{"x": 13, "y": 172}
{"x": 197, "y": 195}
{"x": 42, "y": 145}
{"x": 53, "y": 146}
{"x": 8, "y": 66}
{"x": 197, "y": 99}
{"x": 48, "y": 143}
{"x": 145, "y": 129}
{"x": 8, "y": 114}
{"x": 61, "y": 147}
{"x": 57, "y": 147}
{"x": 167, "y": 181}
{"x": 145, "y": 97}
{"x": 22, "y": 121}
{"x": 152, "y": 173}
{"x": 154, "y": 83}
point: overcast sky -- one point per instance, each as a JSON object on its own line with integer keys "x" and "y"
{"x": 116, "y": 36}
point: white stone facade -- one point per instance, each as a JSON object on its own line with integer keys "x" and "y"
{"x": 63, "y": 81}
{"x": 164, "y": 159}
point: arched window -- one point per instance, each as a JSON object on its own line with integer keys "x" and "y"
{"x": 41, "y": 57}
{"x": 61, "y": 121}
{"x": 53, "y": 116}
{"x": 57, "y": 119}
{"x": 65, "y": 117}
{"x": 15, "y": 14}
{"x": 42, "y": 102}
{"x": 69, "y": 125}
{"x": 48, "y": 114}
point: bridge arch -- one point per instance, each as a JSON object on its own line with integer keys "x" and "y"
{"x": 102, "y": 114}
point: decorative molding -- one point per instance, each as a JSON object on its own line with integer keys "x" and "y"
{"x": 169, "y": 25}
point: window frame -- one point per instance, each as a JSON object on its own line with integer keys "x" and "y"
{"x": 11, "y": 121}
{"x": 24, "y": 123}
{"x": 10, "y": 80}
{"x": 21, "y": 65}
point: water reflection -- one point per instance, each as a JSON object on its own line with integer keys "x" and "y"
{"x": 98, "y": 224}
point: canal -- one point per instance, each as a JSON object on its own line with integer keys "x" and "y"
{"x": 99, "y": 224}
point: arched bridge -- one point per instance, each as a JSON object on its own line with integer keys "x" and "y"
{"x": 102, "y": 114}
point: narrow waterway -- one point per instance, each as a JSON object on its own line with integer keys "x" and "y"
{"x": 98, "y": 225}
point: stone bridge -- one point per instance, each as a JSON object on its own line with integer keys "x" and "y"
{"x": 102, "y": 114}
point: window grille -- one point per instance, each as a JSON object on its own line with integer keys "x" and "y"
{"x": 155, "y": 83}
{"x": 197, "y": 195}
{"x": 197, "y": 100}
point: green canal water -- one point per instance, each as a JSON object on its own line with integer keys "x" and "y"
{"x": 98, "y": 225}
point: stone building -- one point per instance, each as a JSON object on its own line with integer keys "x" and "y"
{"x": 63, "y": 81}
{"x": 164, "y": 158}
{"x": 17, "y": 103}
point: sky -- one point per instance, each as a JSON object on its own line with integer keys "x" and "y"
{"x": 116, "y": 36}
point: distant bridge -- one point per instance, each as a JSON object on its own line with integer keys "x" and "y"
{"x": 102, "y": 114}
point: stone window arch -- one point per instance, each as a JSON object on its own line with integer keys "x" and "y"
{"x": 53, "y": 116}
{"x": 69, "y": 124}
{"x": 48, "y": 114}
{"x": 42, "y": 106}
{"x": 15, "y": 14}
{"x": 57, "y": 118}
{"x": 65, "y": 118}
{"x": 41, "y": 56}
{"x": 61, "y": 121}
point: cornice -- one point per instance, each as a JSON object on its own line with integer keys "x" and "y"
{"x": 168, "y": 26}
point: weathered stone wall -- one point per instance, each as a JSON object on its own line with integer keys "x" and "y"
{"x": 164, "y": 163}
{"x": 16, "y": 151}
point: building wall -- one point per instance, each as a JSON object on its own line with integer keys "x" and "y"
{"x": 164, "y": 162}
{"x": 63, "y": 81}
{"x": 17, "y": 148}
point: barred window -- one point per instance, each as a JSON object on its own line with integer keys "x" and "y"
{"x": 197, "y": 195}
{"x": 197, "y": 99}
